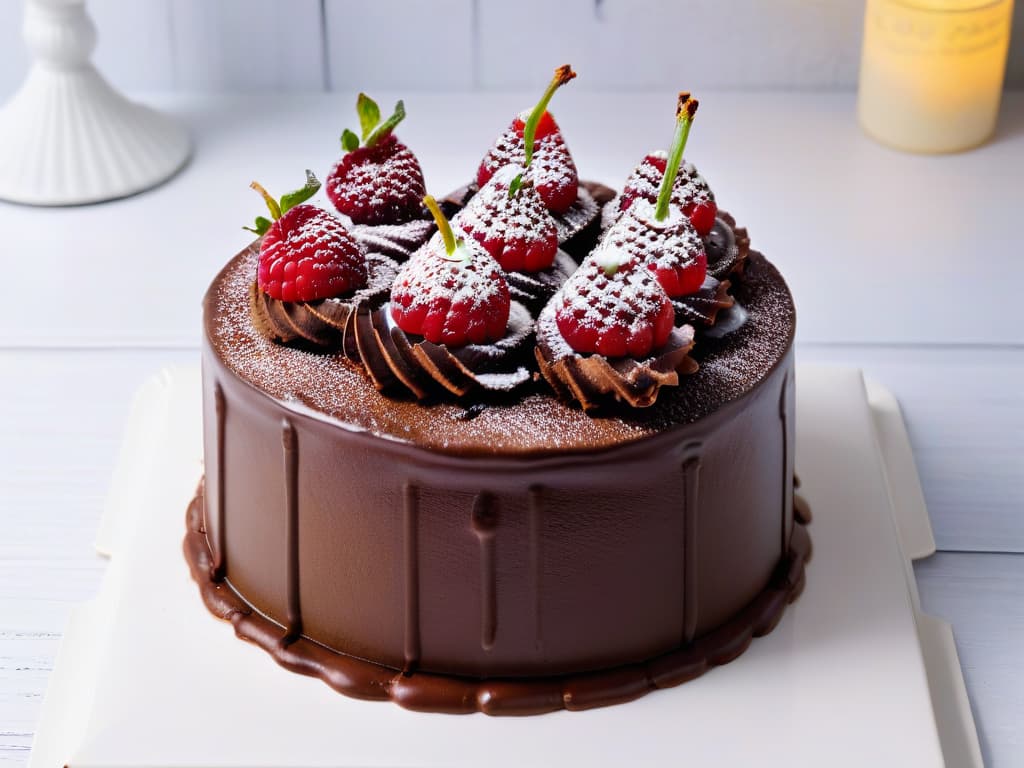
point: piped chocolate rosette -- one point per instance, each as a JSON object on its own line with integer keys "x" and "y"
{"x": 609, "y": 334}
{"x": 725, "y": 246}
{"x": 611, "y": 330}
{"x": 312, "y": 275}
{"x": 534, "y": 142}
{"x": 378, "y": 185}
{"x": 450, "y": 325}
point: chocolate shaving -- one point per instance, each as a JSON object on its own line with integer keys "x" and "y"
{"x": 326, "y": 325}
{"x": 593, "y": 380}
{"x": 397, "y": 362}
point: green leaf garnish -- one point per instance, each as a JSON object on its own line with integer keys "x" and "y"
{"x": 291, "y": 199}
{"x": 262, "y": 225}
{"x": 388, "y": 125}
{"x": 369, "y": 114}
{"x": 349, "y": 140}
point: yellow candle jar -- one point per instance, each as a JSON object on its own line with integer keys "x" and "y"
{"x": 932, "y": 72}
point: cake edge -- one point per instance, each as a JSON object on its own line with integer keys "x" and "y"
{"x": 450, "y": 694}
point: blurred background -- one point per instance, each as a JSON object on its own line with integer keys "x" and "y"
{"x": 323, "y": 45}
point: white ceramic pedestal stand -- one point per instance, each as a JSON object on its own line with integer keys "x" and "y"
{"x": 67, "y": 137}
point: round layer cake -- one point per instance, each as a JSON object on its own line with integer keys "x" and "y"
{"x": 506, "y": 553}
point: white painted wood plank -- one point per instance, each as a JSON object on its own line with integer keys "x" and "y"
{"x": 965, "y": 419}
{"x": 982, "y": 596}
{"x": 878, "y": 247}
{"x": 13, "y": 53}
{"x": 247, "y": 45}
{"x": 400, "y": 44}
{"x": 699, "y": 44}
{"x": 133, "y": 48}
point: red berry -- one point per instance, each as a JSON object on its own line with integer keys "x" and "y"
{"x": 454, "y": 299}
{"x": 690, "y": 192}
{"x": 622, "y": 314}
{"x": 381, "y": 184}
{"x": 551, "y": 170}
{"x": 307, "y": 254}
{"x": 671, "y": 249}
{"x": 516, "y": 230}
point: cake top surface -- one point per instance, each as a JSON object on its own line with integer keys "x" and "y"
{"x": 532, "y": 420}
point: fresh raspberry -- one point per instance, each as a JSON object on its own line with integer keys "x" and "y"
{"x": 552, "y": 169}
{"x": 612, "y": 307}
{"x": 690, "y": 192}
{"x": 671, "y": 249}
{"x": 307, "y": 254}
{"x": 454, "y": 299}
{"x": 378, "y": 184}
{"x": 549, "y": 165}
{"x": 516, "y": 229}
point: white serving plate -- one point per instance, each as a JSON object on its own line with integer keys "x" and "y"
{"x": 854, "y": 675}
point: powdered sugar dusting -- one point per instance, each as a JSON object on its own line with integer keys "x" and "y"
{"x": 533, "y": 422}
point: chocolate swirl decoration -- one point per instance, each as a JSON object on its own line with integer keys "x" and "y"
{"x": 703, "y": 306}
{"x": 593, "y": 380}
{"x": 727, "y": 247}
{"x": 535, "y": 289}
{"x": 397, "y": 241}
{"x": 325, "y": 325}
{"x": 397, "y": 361}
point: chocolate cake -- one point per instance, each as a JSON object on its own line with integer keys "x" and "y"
{"x": 505, "y": 524}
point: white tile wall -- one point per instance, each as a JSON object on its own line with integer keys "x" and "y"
{"x": 223, "y": 45}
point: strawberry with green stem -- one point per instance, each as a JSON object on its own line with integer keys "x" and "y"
{"x": 534, "y": 139}
{"x": 378, "y": 180}
{"x": 306, "y": 254}
{"x": 661, "y": 236}
{"x": 451, "y": 292}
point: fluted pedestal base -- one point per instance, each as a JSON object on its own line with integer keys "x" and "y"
{"x": 67, "y": 138}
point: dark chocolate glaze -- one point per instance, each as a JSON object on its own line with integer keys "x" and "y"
{"x": 426, "y": 692}
{"x": 514, "y": 556}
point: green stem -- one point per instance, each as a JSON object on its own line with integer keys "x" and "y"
{"x": 275, "y": 209}
{"x": 685, "y": 110}
{"x": 562, "y": 76}
{"x": 442, "y": 224}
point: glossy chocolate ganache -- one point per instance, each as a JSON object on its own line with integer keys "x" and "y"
{"x": 507, "y": 552}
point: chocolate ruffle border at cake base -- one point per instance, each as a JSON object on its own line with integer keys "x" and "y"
{"x": 424, "y": 692}
{"x": 326, "y": 325}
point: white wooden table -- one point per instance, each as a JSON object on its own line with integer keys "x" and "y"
{"x": 906, "y": 266}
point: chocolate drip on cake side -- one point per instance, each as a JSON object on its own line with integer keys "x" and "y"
{"x": 290, "y": 445}
{"x": 485, "y": 523}
{"x": 411, "y": 496}
{"x": 691, "y": 480}
{"x": 787, "y": 467}
{"x": 536, "y": 522}
{"x": 220, "y": 560}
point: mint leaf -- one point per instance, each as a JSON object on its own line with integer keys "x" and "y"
{"x": 292, "y": 199}
{"x": 369, "y": 114}
{"x": 388, "y": 125}
{"x": 349, "y": 141}
{"x": 262, "y": 225}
